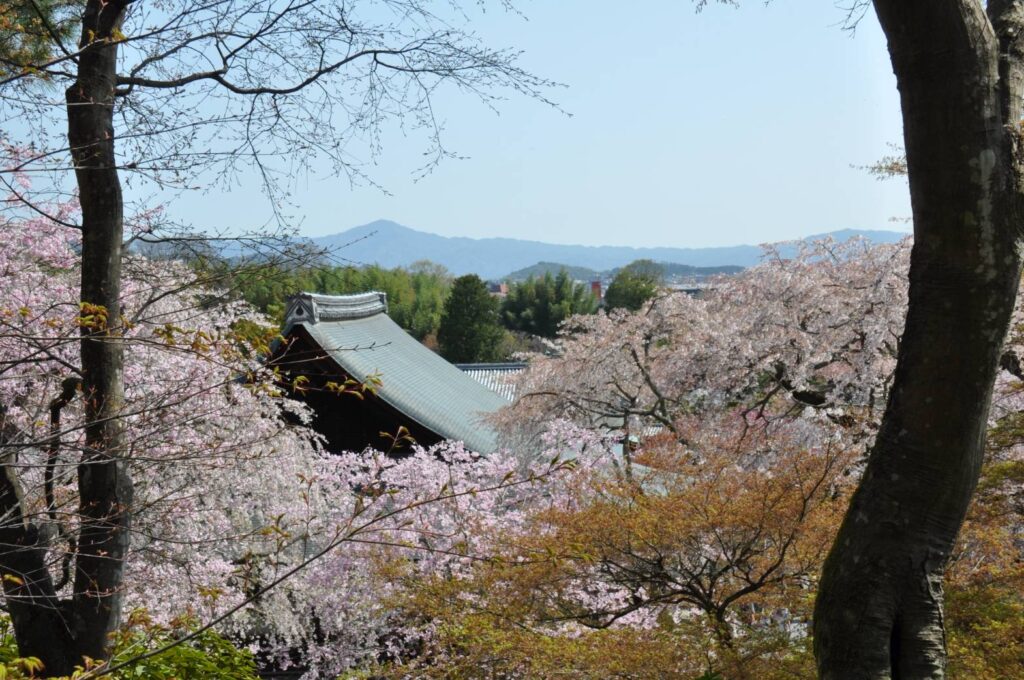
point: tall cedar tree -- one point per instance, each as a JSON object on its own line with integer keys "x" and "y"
{"x": 469, "y": 330}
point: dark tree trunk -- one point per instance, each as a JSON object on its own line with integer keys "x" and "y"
{"x": 41, "y": 627}
{"x": 60, "y": 632}
{"x": 104, "y": 487}
{"x": 879, "y": 607}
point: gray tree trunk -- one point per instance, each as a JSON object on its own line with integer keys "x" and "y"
{"x": 879, "y": 607}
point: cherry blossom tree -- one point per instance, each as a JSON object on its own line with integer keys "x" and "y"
{"x": 187, "y": 414}
{"x": 238, "y": 517}
{"x": 809, "y": 338}
{"x": 186, "y": 87}
{"x": 819, "y": 329}
{"x": 804, "y": 382}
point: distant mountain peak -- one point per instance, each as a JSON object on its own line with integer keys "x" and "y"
{"x": 382, "y": 226}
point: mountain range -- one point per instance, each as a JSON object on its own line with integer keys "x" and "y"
{"x": 392, "y": 245}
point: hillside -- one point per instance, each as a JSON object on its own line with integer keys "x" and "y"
{"x": 542, "y": 268}
{"x": 392, "y": 245}
{"x": 671, "y": 270}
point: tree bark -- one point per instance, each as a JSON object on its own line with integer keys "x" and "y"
{"x": 879, "y": 607}
{"x": 41, "y": 627}
{"x": 62, "y": 632}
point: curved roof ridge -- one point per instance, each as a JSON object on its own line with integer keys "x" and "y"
{"x": 312, "y": 308}
{"x": 493, "y": 366}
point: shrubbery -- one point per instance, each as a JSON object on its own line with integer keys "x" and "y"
{"x": 209, "y": 655}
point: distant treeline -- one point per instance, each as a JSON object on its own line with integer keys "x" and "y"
{"x": 416, "y": 294}
{"x": 417, "y": 297}
{"x": 539, "y": 304}
{"x": 476, "y": 327}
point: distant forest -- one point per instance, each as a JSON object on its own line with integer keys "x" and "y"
{"x": 416, "y": 294}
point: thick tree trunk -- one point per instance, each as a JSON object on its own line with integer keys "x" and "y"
{"x": 879, "y": 608}
{"x": 104, "y": 487}
{"x": 60, "y": 632}
{"x": 40, "y": 622}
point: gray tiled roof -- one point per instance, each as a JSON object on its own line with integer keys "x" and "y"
{"x": 361, "y": 338}
{"x": 500, "y": 378}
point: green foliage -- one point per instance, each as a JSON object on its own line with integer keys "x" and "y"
{"x": 30, "y": 31}
{"x": 470, "y": 330}
{"x": 634, "y": 284}
{"x": 539, "y": 305}
{"x": 12, "y": 665}
{"x": 207, "y": 656}
{"x": 415, "y": 295}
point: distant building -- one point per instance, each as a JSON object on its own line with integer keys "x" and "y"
{"x": 498, "y": 289}
{"x": 595, "y": 290}
{"x": 330, "y": 339}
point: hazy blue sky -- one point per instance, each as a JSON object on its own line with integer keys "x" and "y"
{"x": 733, "y": 125}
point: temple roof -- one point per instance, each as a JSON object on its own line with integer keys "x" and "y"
{"x": 497, "y": 377}
{"x": 361, "y": 338}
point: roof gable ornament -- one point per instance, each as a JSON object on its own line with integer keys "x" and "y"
{"x": 311, "y": 308}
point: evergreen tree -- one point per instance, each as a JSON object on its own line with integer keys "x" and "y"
{"x": 29, "y": 31}
{"x": 470, "y": 330}
{"x": 634, "y": 284}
